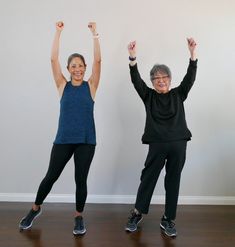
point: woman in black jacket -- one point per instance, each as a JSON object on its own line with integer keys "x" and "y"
{"x": 166, "y": 133}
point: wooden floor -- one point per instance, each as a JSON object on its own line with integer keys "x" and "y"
{"x": 197, "y": 226}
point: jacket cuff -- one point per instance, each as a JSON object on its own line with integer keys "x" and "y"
{"x": 193, "y": 63}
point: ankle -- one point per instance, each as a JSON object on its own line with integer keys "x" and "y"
{"x": 78, "y": 214}
{"x": 35, "y": 207}
{"x": 137, "y": 212}
{"x": 164, "y": 217}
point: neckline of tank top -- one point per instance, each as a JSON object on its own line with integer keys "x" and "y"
{"x": 76, "y": 85}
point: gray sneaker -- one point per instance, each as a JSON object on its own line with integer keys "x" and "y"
{"x": 168, "y": 227}
{"x": 27, "y": 221}
{"x": 133, "y": 221}
{"x": 79, "y": 228}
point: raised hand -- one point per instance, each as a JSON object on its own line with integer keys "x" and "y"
{"x": 192, "y": 47}
{"x": 59, "y": 25}
{"x": 92, "y": 27}
{"x": 132, "y": 49}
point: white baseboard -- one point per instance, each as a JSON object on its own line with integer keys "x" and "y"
{"x": 119, "y": 199}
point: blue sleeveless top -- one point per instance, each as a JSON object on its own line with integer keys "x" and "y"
{"x": 76, "y": 121}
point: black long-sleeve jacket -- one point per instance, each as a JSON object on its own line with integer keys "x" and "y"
{"x": 165, "y": 115}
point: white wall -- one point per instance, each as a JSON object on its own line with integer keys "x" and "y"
{"x": 29, "y": 103}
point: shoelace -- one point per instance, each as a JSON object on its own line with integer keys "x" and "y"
{"x": 30, "y": 216}
{"x": 171, "y": 224}
{"x": 132, "y": 217}
{"x": 79, "y": 223}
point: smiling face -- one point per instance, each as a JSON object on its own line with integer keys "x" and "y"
{"x": 77, "y": 70}
{"x": 160, "y": 75}
{"x": 161, "y": 82}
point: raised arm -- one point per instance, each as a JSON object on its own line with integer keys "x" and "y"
{"x": 96, "y": 67}
{"x": 56, "y": 68}
{"x": 132, "y": 52}
{"x": 190, "y": 76}
{"x": 136, "y": 79}
{"x": 192, "y": 48}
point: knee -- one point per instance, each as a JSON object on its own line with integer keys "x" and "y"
{"x": 81, "y": 183}
{"x": 50, "y": 179}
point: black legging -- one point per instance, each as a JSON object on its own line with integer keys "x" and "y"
{"x": 60, "y": 155}
{"x": 172, "y": 156}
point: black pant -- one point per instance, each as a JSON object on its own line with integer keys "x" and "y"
{"x": 60, "y": 155}
{"x": 172, "y": 156}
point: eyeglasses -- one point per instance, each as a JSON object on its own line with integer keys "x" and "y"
{"x": 158, "y": 78}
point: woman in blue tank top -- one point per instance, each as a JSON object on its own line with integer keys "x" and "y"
{"x": 76, "y": 129}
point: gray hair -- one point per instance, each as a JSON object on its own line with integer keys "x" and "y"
{"x": 162, "y": 68}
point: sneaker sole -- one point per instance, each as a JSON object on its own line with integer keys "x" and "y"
{"x": 79, "y": 233}
{"x": 164, "y": 230}
{"x": 27, "y": 227}
{"x": 133, "y": 230}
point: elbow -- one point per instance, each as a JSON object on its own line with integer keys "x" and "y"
{"x": 54, "y": 60}
{"x": 98, "y": 60}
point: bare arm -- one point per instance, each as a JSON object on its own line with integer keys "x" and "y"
{"x": 55, "y": 64}
{"x": 96, "y": 67}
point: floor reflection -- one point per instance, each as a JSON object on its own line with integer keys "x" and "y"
{"x": 167, "y": 241}
{"x": 136, "y": 240}
{"x": 33, "y": 236}
{"x": 78, "y": 241}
